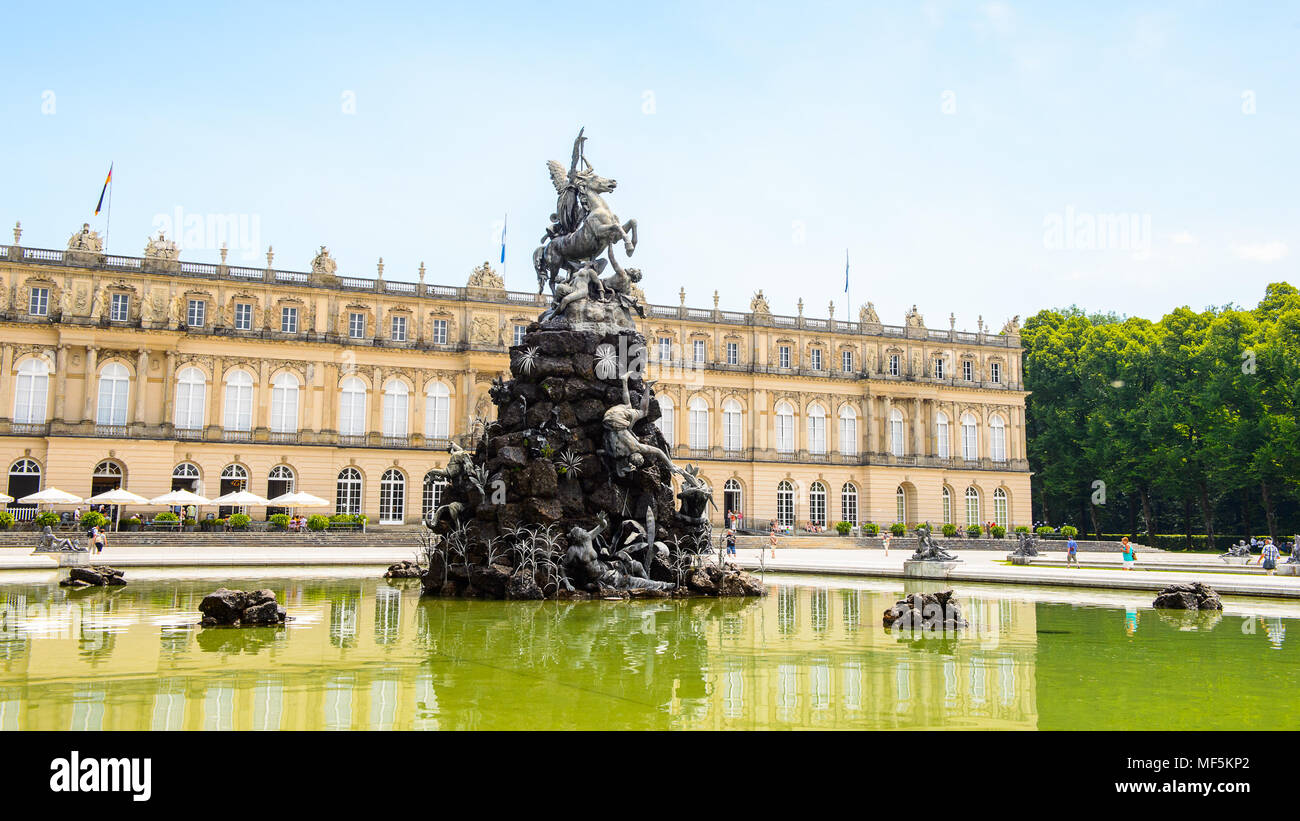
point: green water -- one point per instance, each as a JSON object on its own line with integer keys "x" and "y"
{"x": 362, "y": 653}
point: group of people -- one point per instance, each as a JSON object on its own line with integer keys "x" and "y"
{"x": 297, "y": 523}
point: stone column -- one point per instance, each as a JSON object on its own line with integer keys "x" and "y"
{"x": 92, "y": 359}
{"x": 918, "y": 431}
{"x": 141, "y": 385}
{"x": 374, "y": 415}
{"x": 415, "y": 422}
{"x": 328, "y": 395}
{"x": 887, "y": 426}
{"x": 214, "y": 396}
{"x": 169, "y": 388}
{"x": 60, "y": 381}
{"x": 7, "y": 386}
{"x": 262, "y": 401}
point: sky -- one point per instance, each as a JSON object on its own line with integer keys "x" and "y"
{"x": 963, "y": 155}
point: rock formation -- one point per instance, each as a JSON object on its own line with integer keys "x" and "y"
{"x": 925, "y": 611}
{"x": 97, "y": 575}
{"x": 239, "y": 608}
{"x": 1194, "y": 596}
{"x": 404, "y": 570}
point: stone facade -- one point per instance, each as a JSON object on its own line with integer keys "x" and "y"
{"x": 788, "y": 417}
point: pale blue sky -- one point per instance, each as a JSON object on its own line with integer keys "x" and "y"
{"x": 935, "y": 141}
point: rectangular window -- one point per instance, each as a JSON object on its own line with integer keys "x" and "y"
{"x": 356, "y": 325}
{"x": 520, "y": 330}
{"x": 816, "y": 359}
{"x": 733, "y": 353}
{"x": 665, "y": 349}
{"x": 995, "y": 372}
{"x": 846, "y": 361}
{"x": 967, "y": 371}
{"x": 399, "y": 329}
{"x": 699, "y": 350}
{"x": 783, "y": 356}
{"x": 938, "y": 368}
{"x": 194, "y": 315}
{"x": 895, "y": 368}
{"x": 288, "y": 320}
{"x": 440, "y": 332}
{"x": 39, "y": 303}
{"x": 121, "y": 308}
{"x": 243, "y": 316}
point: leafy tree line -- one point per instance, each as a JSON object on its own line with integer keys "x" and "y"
{"x": 1187, "y": 425}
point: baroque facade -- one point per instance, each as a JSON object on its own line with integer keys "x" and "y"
{"x": 153, "y": 373}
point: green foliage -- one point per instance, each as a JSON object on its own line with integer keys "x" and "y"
{"x": 949, "y": 530}
{"x": 1046, "y": 530}
{"x": 47, "y": 518}
{"x": 898, "y": 528}
{"x": 973, "y": 531}
{"x": 239, "y": 521}
{"x": 843, "y": 528}
{"x": 998, "y": 531}
{"x": 317, "y": 522}
{"x": 6, "y": 520}
{"x": 280, "y": 521}
{"x": 871, "y": 529}
{"x": 93, "y": 518}
{"x": 547, "y": 451}
{"x": 1022, "y": 528}
{"x": 166, "y": 516}
{"x": 1069, "y": 531}
{"x": 132, "y": 521}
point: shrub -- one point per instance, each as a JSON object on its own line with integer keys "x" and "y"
{"x": 188, "y": 522}
{"x": 279, "y": 521}
{"x": 1022, "y": 528}
{"x": 6, "y": 520}
{"x": 134, "y": 521}
{"x": 341, "y": 517}
{"x": 317, "y": 522}
{"x": 1069, "y": 530}
{"x": 239, "y": 521}
{"x": 843, "y": 528}
{"x": 898, "y": 528}
{"x": 999, "y": 531}
{"x": 360, "y": 518}
{"x": 871, "y": 529}
{"x": 1046, "y": 530}
{"x": 93, "y": 518}
{"x": 47, "y": 518}
{"x": 166, "y": 516}
{"x": 973, "y": 531}
{"x": 949, "y": 530}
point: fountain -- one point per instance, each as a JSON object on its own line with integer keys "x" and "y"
{"x": 569, "y": 493}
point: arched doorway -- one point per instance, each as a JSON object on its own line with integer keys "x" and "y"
{"x": 233, "y": 478}
{"x": 279, "y": 482}
{"x": 24, "y": 480}
{"x": 186, "y": 477}
{"x": 106, "y": 476}
{"x": 733, "y": 503}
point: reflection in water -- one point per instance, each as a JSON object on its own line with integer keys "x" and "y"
{"x": 135, "y": 659}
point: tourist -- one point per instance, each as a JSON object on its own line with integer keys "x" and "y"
{"x": 1268, "y": 556}
{"x": 1071, "y": 552}
{"x": 1130, "y": 555}
{"x": 771, "y": 541}
{"x": 885, "y": 540}
{"x": 731, "y": 542}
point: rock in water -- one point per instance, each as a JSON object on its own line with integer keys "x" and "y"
{"x": 1194, "y": 596}
{"x": 99, "y": 575}
{"x": 403, "y": 570}
{"x": 239, "y": 608}
{"x": 929, "y": 611}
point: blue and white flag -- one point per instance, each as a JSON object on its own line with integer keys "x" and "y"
{"x": 503, "y": 238}
{"x": 846, "y": 270}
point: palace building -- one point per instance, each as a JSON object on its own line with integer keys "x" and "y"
{"x": 152, "y": 373}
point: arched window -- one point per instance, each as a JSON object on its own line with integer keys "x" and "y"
{"x": 896, "y": 432}
{"x": 394, "y": 408}
{"x": 233, "y": 478}
{"x": 191, "y": 397}
{"x": 1000, "y": 507}
{"x": 941, "y": 437}
{"x": 667, "y": 413}
{"x": 114, "y": 386}
{"x": 972, "y": 507}
{"x": 997, "y": 439}
{"x": 816, "y": 429}
{"x": 432, "y": 496}
{"x": 392, "y": 497}
{"x": 900, "y": 505}
{"x": 33, "y": 389}
{"x": 699, "y": 418}
{"x": 731, "y": 425}
{"x": 284, "y": 403}
{"x": 733, "y": 500}
{"x": 969, "y": 438}
{"x": 238, "y": 414}
{"x": 947, "y": 505}
{"x": 24, "y": 480}
{"x": 347, "y": 493}
{"x": 784, "y": 427}
{"x": 437, "y": 411}
{"x": 848, "y": 431}
{"x": 784, "y": 503}
{"x": 279, "y": 481}
{"x": 106, "y": 476}
{"x": 185, "y": 476}
{"x": 352, "y": 407}
{"x": 849, "y": 503}
{"x": 817, "y": 504}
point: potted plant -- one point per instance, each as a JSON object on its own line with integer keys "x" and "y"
{"x": 279, "y": 521}
{"x": 92, "y": 518}
{"x": 239, "y": 521}
{"x": 131, "y": 524}
{"x": 998, "y": 531}
{"x": 188, "y": 524}
{"x": 1046, "y": 531}
{"x": 973, "y": 531}
{"x": 1069, "y": 531}
{"x": 871, "y": 529}
{"x": 843, "y": 528}
{"x": 317, "y": 522}
{"x": 949, "y": 530}
{"x": 898, "y": 529}
{"x": 6, "y": 520}
{"x": 1022, "y": 528}
{"x": 47, "y": 518}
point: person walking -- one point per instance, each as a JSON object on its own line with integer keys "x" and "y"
{"x": 885, "y": 540}
{"x": 1268, "y": 556}
{"x": 771, "y": 540}
{"x": 1130, "y": 555}
{"x": 1071, "y": 552}
{"x": 731, "y": 542}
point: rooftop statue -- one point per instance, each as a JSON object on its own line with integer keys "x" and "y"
{"x": 161, "y": 248}
{"x": 323, "y": 264}
{"x": 86, "y": 240}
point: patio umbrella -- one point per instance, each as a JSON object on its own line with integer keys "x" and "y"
{"x": 5, "y": 498}
{"x": 51, "y": 496}
{"x": 240, "y": 498}
{"x": 299, "y": 499}
{"x": 180, "y": 498}
{"x": 117, "y": 497}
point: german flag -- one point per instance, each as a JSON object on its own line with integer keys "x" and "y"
{"x": 104, "y": 190}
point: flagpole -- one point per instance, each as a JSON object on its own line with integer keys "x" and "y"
{"x": 108, "y": 222}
